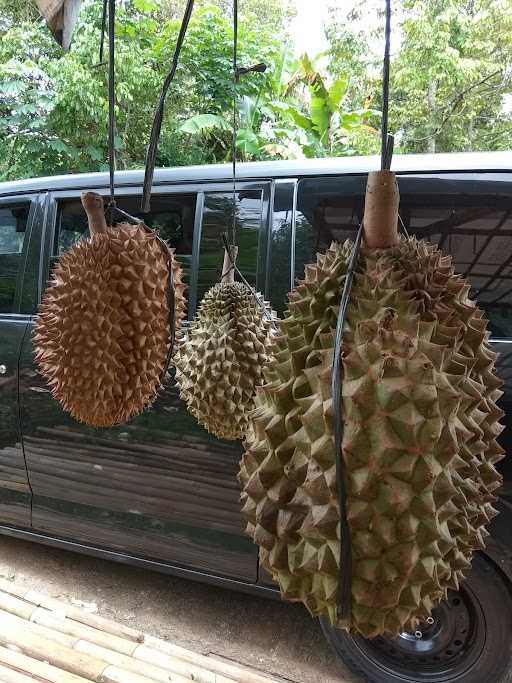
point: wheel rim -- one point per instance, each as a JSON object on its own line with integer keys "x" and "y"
{"x": 442, "y": 650}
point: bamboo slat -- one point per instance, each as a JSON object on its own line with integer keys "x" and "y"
{"x": 14, "y": 676}
{"x": 130, "y": 664}
{"x": 84, "y": 617}
{"x": 43, "y": 670}
{"x": 60, "y": 624}
{"x": 18, "y": 624}
{"x": 221, "y": 667}
{"x": 34, "y": 645}
{"x": 47, "y": 641}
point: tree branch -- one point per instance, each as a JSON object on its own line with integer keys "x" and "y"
{"x": 454, "y": 104}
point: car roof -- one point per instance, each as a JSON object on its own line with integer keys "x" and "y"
{"x": 402, "y": 163}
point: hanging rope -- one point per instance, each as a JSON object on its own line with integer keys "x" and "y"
{"x": 111, "y": 104}
{"x": 344, "y": 593}
{"x": 387, "y": 140}
{"x": 159, "y": 113}
{"x": 235, "y": 118}
{"x": 112, "y": 207}
{"x": 259, "y": 299}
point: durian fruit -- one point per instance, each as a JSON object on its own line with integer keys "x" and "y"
{"x": 103, "y": 331}
{"x": 419, "y": 444}
{"x": 219, "y": 363}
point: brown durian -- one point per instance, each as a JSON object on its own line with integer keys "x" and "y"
{"x": 419, "y": 445}
{"x": 219, "y": 363}
{"x": 103, "y": 331}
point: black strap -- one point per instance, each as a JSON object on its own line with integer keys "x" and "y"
{"x": 344, "y": 594}
{"x": 259, "y": 299}
{"x": 159, "y": 113}
{"x": 236, "y": 77}
{"x": 112, "y": 207}
{"x": 111, "y": 98}
{"x": 258, "y": 68}
{"x": 171, "y": 294}
{"x": 387, "y": 141}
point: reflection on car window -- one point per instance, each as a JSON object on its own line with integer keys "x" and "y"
{"x": 279, "y": 276}
{"x": 13, "y": 225}
{"x": 469, "y": 219}
{"x": 218, "y": 220}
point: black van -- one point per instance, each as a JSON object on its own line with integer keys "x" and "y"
{"x": 160, "y": 492}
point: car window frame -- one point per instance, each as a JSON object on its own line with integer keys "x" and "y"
{"x": 198, "y": 188}
{"x": 477, "y": 176}
{"x": 12, "y": 200}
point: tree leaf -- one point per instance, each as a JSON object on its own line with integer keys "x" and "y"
{"x": 336, "y": 92}
{"x": 201, "y": 123}
{"x": 12, "y": 87}
{"x": 300, "y": 119}
{"x": 320, "y": 116}
{"x": 59, "y": 146}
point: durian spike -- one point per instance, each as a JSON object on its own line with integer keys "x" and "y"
{"x": 95, "y": 210}
{"x": 381, "y": 210}
{"x": 228, "y": 268}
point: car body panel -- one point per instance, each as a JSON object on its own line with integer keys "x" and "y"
{"x": 159, "y": 487}
{"x": 15, "y": 494}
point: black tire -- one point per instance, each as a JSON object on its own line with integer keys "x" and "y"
{"x": 470, "y": 640}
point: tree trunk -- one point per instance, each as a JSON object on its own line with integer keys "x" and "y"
{"x": 431, "y": 101}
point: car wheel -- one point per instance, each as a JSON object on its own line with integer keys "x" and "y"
{"x": 468, "y": 639}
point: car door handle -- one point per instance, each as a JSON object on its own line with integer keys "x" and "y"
{"x": 3, "y": 369}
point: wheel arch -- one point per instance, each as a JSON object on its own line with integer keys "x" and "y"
{"x": 499, "y": 544}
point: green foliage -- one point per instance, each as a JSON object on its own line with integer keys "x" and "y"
{"x": 53, "y": 105}
{"x": 283, "y": 121}
{"x": 451, "y": 78}
{"x": 325, "y": 123}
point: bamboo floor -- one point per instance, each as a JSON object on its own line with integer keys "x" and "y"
{"x": 47, "y": 640}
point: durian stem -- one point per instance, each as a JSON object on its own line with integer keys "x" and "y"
{"x": 93, "y": 205}
{"x": 381, "y": 210}
{"x": 228, "y": 268}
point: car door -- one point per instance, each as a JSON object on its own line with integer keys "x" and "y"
{"x": 158, "y": 487}
{"x": 17, "y": 219}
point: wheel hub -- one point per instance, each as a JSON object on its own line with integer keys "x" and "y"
{"x": 442, "y": 637}
{"x": 439, "y": 644}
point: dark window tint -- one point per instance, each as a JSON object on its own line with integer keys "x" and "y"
{"x": 279, "y": 277}
{"x": 171, "y": 215}
{"x": 13, "y": 226}
{"x": 218, "y": 220}
{"x": 469, "y": 217}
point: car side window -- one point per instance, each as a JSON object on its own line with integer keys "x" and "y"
{"x": 469, "y": 219}
{"x": 279, "y": 272}
{"x": 13, "y": 228}
{"x": 217, "y": 221}
{"x": 172, "y": 216}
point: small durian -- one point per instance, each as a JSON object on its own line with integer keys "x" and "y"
{"x": 219, "y": 362}
{"x": 419, "y": 446}
{"x": 103, "y": 331}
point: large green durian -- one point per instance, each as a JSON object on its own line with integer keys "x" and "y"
{"x": 420, "y": 425}
{"x": 219, "y": 363}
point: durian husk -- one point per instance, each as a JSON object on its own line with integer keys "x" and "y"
{"x": 219, "y": 362}
{"x": 420, "y": 418}
{"x": 103, "y": 331}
